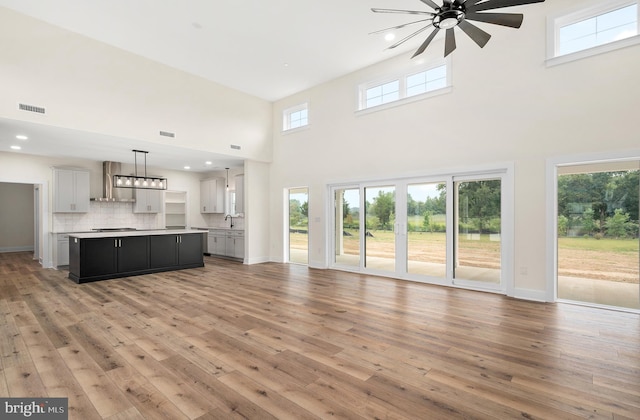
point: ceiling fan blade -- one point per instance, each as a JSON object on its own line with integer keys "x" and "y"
{"x": 409, "y": 37}
{"x": 498, "y": 4}
{"x": 512, "y": 20}
{"x": 399, "y": 26}
{"x": 431, "y": 4}
{"x": 426, "y": 43}
{"x": 410, "y": 12}
{"x": 479, "y": 36}
{"x": 449, "y": 42}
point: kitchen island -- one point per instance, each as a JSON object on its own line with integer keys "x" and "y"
{"x": 107, "y": 255}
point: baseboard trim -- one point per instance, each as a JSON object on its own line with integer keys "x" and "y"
{"x": 16, "y": 249}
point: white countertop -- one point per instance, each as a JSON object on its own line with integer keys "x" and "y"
{"x": 133, "y": 233}
{"x": 219, "y": 228}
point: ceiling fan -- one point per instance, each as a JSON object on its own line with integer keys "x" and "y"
{"x": 454, "y": 13}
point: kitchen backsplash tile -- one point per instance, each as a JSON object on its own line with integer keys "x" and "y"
{"x": 105, "y": 215}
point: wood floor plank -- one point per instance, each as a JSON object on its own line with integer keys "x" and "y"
{"x": 233, "y": 341}
{"x": 101, "y": 391}
{"x": 266, "y": 398}
{"x": 191, "y": 403}
{"x": 224, "y": 398}
{"x": 145, "y": 397}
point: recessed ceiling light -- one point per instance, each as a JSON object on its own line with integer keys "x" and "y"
{"x": 187, "y": 167}
{"x": 208, "y": 162}
{"x": 16, "y": 147}
{"x": 390, "y": 36}
{"x": 22, "y": 137}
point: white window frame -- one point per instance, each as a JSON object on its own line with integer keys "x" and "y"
{"x": 286, "y": 117}
{"x": 402, "y": 78}
{"x": 586, "y": 10}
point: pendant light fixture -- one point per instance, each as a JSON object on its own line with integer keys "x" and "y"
{"x": 227, "y": 178}
{"x": 141, "y": 182}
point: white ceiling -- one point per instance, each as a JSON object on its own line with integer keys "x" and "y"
{"x": 269, "y": 49}
{"x": 52, "y": 141}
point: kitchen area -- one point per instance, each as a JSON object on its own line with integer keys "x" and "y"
{"x": 217, "y": 206}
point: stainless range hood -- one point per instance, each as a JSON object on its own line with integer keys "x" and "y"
{"x": 109, "y": 193}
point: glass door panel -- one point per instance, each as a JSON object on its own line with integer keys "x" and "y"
{"x": 347, "y": 227}
{"x": 597, "y": 237}
{"x": 380, "y": 238}
{"x": 477, "y": 237}
{"x": 427, "y": 229}
{"x": 299, "y": 225}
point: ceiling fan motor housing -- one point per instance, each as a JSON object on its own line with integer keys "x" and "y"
{"x": 446, "y": 19}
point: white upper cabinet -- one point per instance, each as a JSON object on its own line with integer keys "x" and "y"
{"x": 70, "y": 191}
{"x": 212, "y": 193}
{"x": 147, "y": 201}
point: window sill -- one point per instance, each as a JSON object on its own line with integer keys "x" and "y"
{"x": 295, "y": 130}
{"x": 405, "y": 101}
{"x": 600, "y": 49}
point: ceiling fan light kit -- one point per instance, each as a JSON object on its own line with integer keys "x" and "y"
{"x": 458, "y": 13}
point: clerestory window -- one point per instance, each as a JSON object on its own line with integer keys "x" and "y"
{"x": 295, "y": 117}
{"x": 405, "y": 87}
{"x": 602, "y": 27}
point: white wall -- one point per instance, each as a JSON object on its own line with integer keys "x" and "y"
{"x": 506, "y": 107}
{"x": 90, "y": 86}
{"x": 17, "y": 217}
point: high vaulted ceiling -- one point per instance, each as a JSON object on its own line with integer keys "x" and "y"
{"x": 269, "y": 49}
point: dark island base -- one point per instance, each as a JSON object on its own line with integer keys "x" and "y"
{"x": 102, "y": 258}
{"x": 80, "y": 280}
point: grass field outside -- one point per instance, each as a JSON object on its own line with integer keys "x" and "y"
{"x": 609, "y": 259}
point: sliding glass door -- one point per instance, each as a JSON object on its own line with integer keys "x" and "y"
{"x": 347, "y": 227}
{"x": 478, "y": 222}
{"x": 427, "y": 229}
{"x": 598, "y": 257}
{"x": 299, "y": 225}
{"x": 380, "y": 232}
{"x": 446, "y": 230}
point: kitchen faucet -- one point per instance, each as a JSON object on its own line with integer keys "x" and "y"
{"x": 231, "y": 217}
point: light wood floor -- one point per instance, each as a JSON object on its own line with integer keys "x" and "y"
{"x": 284, "y": 341}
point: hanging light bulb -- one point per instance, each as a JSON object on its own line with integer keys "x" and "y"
{"x": 227, "y": 178}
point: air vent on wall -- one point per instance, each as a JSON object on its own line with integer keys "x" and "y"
{"x": 31, "y": 108}
{"x": 167, "y": 134}
{"x": 235, "y": 146}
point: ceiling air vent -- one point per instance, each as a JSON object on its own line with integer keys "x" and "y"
{"x": 235, "y": 146}
{"x": 167, "y": 134}
{"x": 31, "y": 108}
